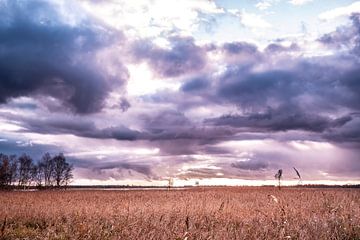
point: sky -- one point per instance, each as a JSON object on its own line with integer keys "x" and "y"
{"x": 222, "y": 92}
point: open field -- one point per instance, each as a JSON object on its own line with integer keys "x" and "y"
{"x": 198, "y": 213}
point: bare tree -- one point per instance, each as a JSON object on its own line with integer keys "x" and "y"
{"x": 4, "y": 170}
{"x": 46, "y": 167}
{"x": 37, "y": 175}
{"x": 68, "y": 175}
{"x": 25, "y": 169}
{"x": 62, "y": 170}
{"x": 8, "y": 167}
{"x": 13, "y": 169}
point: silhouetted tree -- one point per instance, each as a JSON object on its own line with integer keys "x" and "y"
{"x": 8, "y": 167}
{"x": 4, "y": 170}
{"x": 62, "y": 170}
{"x": 68, "y": 175}
{"x": 13, "y": 174}
{"x": 25, "y": 170}
{"x": 37, "y": 175}
{"x": 46, "y": 167}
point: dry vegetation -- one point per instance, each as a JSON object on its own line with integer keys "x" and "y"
{"x": 211, "y": 213}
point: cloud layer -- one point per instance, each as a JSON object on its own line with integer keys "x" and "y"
{"x": 230, "y": 109}
{"x": 54, "y": 53}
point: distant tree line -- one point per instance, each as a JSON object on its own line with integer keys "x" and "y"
{"x": 22, "y": 171}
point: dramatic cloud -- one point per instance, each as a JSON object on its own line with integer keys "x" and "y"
{"x": 280, "y": 120}
{"x": 49, "y": 52}
{"x": 250, "y": 165}
{"x": 346, "y": 38}
{"x": 240, "y": 48}
{"x": 147, "y": 90}
{"x": 77, "y": 126}
{"x": 348, "y": 134}
{"x": 195, "y": 84}
{"x": 183, "y": 57}
{"x": 116, "y": 170}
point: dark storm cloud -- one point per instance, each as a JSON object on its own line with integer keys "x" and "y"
{"x": 349, "y": 133}
{"x": 280, "y": 120}
{"x": 253, "y": 165}
{"x": 165, "y": 119}
{"x": 277, "y": 48}
{"x": 140, "y": 168}
{"x": 240, "y": 48}
{"x": 254, "y": 89}
{"x": 40, "y": 53}
{"x": 183, "y": 57}
{"x": 196, "y": 84}
{"x": 167, "y": 125}
{"x": 345, "y": 37}
{"x": 313, "y": 94}
{"x": 105, "y": 169}
{"x": 351, "y": 85}
{"x": 83, "y": 129}
{"x": 75, "y": 125}
{"x": 174, "y": 125}
{"x": 291, "y": 100}
{"x": 304, "y": 94}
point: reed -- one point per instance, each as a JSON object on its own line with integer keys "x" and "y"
{"x": 198, "y": 213}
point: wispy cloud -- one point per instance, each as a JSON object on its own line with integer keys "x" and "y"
{"x": 300, "y": 2}
{"x": 250, "y": 20}
{"x": 340, "y": 11}
{"x": 265, "y": 4}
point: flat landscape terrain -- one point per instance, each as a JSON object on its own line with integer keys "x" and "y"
{"x": 196, "y": 213}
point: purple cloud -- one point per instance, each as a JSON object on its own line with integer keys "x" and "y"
{"x": 183, "y": 57}
{"x": 42, "y": 54}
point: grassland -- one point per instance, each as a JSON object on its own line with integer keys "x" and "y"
{"x": 199, "y": 213}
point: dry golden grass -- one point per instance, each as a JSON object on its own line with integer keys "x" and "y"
{"x": 211, "y": 213}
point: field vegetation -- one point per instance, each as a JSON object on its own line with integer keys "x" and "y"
{"x": 196, "y": 213}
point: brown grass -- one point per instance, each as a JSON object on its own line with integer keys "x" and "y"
{"x": 211, "y": 213}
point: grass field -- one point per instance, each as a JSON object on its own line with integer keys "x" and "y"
{"x": 198, "y": 213}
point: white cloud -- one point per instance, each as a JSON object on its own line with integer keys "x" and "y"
{"x": 148, "y": 18}
{"x": 250, "y": 20}
{"x": 143, "y": 82}
{"x": 341, "y": 11}
{"x": 254, "y": 21}
{"x": 265, "y": 4}
{"x": 6, "y": 126}
{"x": 299, "y": 2}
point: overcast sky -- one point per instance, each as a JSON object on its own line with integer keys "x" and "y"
{"x": 225, "y": 91}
